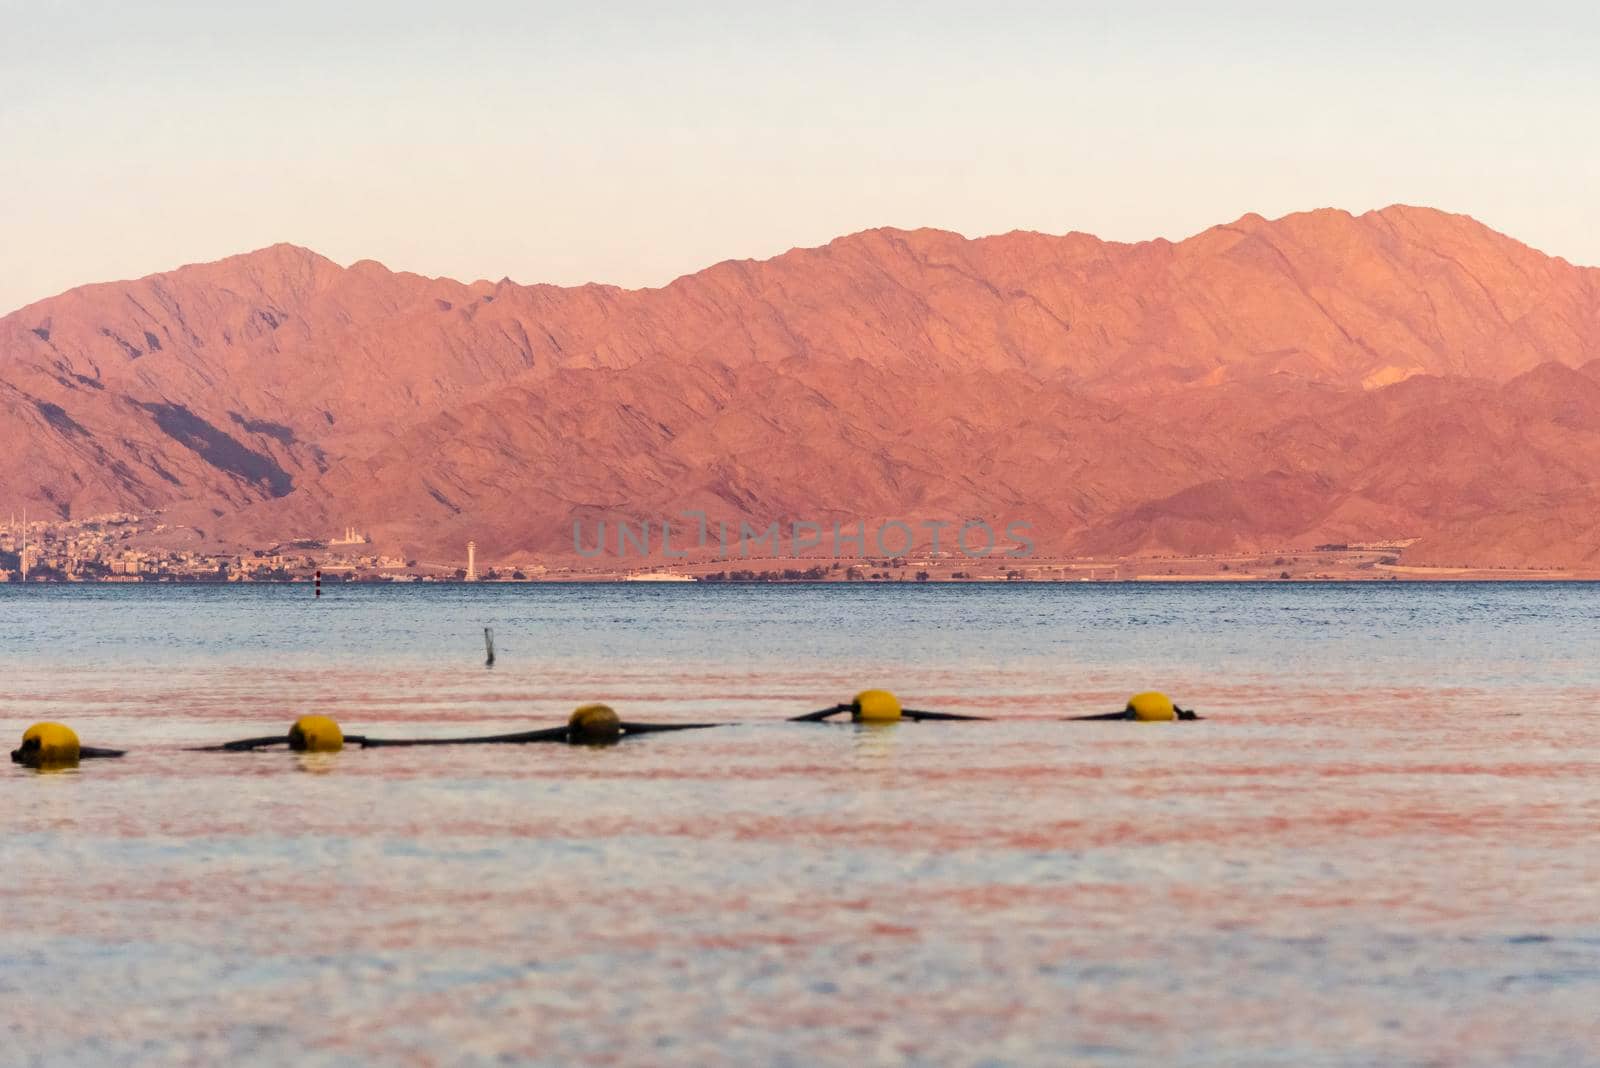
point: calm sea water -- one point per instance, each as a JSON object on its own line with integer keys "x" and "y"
{"x": 1379, "y": 848}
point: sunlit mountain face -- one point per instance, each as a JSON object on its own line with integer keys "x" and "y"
{"x": 1405, "y": 375}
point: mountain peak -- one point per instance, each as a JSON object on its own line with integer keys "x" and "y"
{"x": 280, "y": 256}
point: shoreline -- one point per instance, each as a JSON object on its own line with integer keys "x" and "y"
{"x": 140, "y": 561}
{"x": 1415, "y": 576}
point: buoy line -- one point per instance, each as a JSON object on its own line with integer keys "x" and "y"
{"x": 53, "y": 746}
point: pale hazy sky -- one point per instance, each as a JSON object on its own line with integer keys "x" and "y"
{"x": 631, "y": 143}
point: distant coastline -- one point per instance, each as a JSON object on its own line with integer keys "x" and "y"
{"x": 1234, "y": 569}
{"x": 130, "y": 549}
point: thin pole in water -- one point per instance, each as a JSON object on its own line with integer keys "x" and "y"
{"x": 488, "y": 645}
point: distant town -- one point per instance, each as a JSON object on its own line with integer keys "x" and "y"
{"x": 117, "y": 548}
{"x": 132, "y": 548}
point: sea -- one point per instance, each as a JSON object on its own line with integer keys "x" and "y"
{"x": 1378, "y": 847}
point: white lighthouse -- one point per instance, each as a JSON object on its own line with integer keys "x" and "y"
{"x": 472, "y": 561}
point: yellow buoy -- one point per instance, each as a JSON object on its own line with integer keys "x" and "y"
{"x": 48, "y": 745}
{"x": 594, "y": 724}
{"x": 315, "y": 734}
{"x": 877, "y": 706}
{"x": 1152, "y": 706}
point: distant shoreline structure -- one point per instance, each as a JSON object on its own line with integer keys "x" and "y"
{"x": 121, "y": 548}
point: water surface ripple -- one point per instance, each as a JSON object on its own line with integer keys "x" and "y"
{"x": 1378, "y": 849}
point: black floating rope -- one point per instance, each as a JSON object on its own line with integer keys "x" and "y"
{"x": 917, "y": 713}
{"x": 651, "y": 728}
{"x": 85, "y": 752}
{"x": 243, "y": 745}
{"x": 907, "y": 713}
{"x": 249, "y": 745}
{"x": 1180, "y": 713}
{"x": 548, "y": 734}
{"x": 821, "y": 714}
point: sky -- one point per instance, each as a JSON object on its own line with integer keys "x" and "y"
{"x": 631, "y": 143}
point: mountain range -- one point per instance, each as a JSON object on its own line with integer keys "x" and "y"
{"x": 1401, "y": 375}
